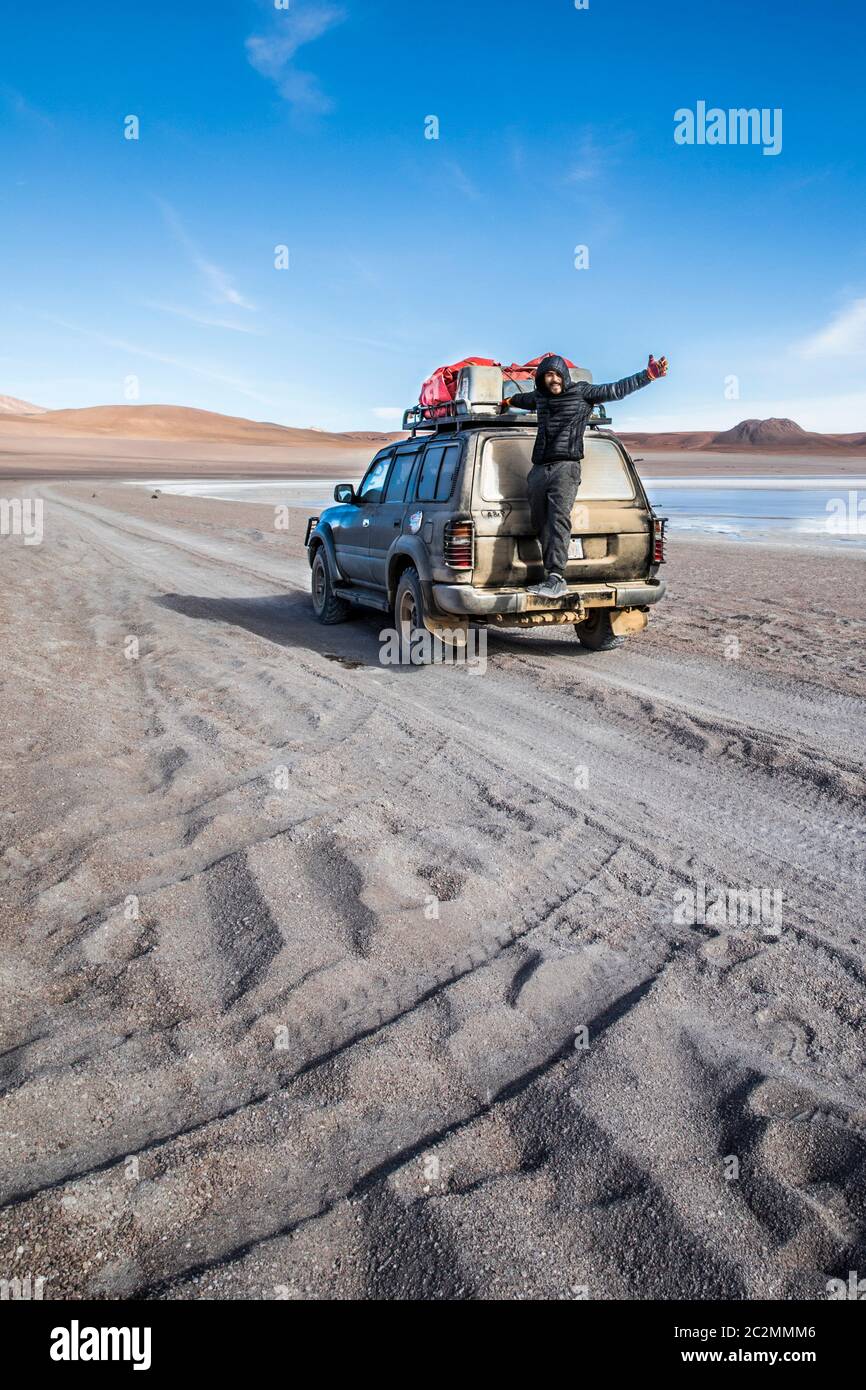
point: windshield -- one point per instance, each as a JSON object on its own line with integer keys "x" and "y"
{"x": 506, "y": 462}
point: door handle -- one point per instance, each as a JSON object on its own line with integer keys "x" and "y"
{"x": 366, "y": 521}
{"x": 399, "y": 523}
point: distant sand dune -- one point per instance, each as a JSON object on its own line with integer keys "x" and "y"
{"x": 185, "y": 423}
{"x": 10, "y": 405}
{"x": 766, "y": 435}
{"x": 175, "y": 422}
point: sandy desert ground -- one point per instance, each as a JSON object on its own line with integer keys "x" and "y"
{"x": 298, "y": 949}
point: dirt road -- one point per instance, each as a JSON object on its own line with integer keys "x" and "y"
{"x": 328, "y": 979}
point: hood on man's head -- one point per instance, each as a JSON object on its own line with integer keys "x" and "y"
{"x": 553, "y": 363}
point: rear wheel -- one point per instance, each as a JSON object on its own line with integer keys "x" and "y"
{"x": 409, "y": 618}
{"x": 596, "y": 633}
{"x": 327, "y": 606}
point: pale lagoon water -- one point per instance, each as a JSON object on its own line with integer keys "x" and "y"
{"x": 783, "y": 510}
{"x": 786, "y": 510}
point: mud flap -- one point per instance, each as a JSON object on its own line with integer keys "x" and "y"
{"x": 625, "y": 621}
{"x": 452, "y": 633}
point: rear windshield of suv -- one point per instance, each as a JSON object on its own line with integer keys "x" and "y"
{"x": 506, "y": 462}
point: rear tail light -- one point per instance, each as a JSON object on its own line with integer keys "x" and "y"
{"x": 460, "y": 544}
{"x": 659, "y": 540}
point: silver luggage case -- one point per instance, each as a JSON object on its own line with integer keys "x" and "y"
{"x": 480, "y": 388}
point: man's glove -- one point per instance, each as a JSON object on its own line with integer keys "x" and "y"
{"x": 657, "y": 369}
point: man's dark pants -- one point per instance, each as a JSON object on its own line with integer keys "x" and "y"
{"x": 552, "y": 488}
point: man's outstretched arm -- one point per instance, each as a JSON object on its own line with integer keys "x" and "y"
{"x": 615, "y": 390}
{"x": 523, "y": 400}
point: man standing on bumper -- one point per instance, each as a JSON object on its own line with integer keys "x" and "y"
{"x": 564, "y": 407}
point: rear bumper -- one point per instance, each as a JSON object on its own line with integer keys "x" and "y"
{"x": 464, "y": 601}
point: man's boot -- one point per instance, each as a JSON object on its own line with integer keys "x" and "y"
{"x": 554, "y": 586}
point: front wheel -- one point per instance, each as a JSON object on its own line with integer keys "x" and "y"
{"x": 327, "y": 606}
{"x": 595, "y": 632}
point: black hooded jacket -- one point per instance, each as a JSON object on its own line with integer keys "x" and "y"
{"x": 562, "y": 419}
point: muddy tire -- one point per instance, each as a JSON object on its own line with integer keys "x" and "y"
{"x": 327, "y": 606}
{"x": 596, "y": 633}
{"x": 409, "y": 615}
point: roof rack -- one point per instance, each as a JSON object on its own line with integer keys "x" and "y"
{"x": 452, "y": 415}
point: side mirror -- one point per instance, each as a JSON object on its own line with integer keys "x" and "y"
{"x": 344, "y": 492}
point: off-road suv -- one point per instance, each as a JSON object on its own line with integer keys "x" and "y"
{"x": 439, "y": 534}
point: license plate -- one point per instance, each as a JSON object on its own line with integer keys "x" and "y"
{"x": 575, "y": 548}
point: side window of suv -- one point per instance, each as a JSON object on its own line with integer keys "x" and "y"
{"x": 447, "y": 470}
{"x": 400, "y": 474}
{"x": 436, "y": 478}
{"x": 427, "y": 478}
{"x": 374, "y": 480}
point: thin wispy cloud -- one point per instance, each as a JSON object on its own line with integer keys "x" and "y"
{"x": 219, "y": 282}
{"x": 843, "y": 336}
{"x": 587, "y": 166}
{"x": 18, "y": 105}
{"x": 597, "y": 152}
{"x": 379, "y": 343}
{"x": 136, "y": 350}
{"x": 272, "y": 54}
{"x": 462, "y": 182}
{"x": 366, "y": 271}
{"x": 180, "y": 311}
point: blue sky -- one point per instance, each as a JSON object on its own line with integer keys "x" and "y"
{"x": 305, "y": 127}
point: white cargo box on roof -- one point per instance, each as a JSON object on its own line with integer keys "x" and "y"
{"x": 480, "y": 388}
